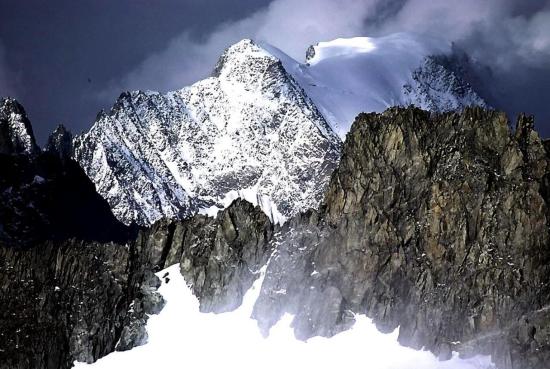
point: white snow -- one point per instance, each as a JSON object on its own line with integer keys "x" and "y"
{"x": 182, "y": 337}
{"x": 363, "y": 74}
{"x": 248, "y": 127}
{"x": 253, "y": 196}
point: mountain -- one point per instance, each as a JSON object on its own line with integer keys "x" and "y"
{"x": 16, "y": 135}
{"x": 433, "y": 223}
{"x": 436, "y": 224}
{"x": 248, "y": 130}
{"x": 60, "y": 143}
{"x": 44, "y": 196}
{"x": 73, "y": 286}
{"x": 263, "y": 127}
{"x": 345, "y": 77}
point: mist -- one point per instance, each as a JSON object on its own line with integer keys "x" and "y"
{"x": 181, "y": 334}
{"x": 508, "y": 42}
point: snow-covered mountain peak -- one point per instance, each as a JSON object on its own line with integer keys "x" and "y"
{"x": 263, "y": 126}
{"x": 347, "y": 76}
{"x": 249, "y": 130}
{"x": 16, "y": 135}
{"x": 242, "y": 58}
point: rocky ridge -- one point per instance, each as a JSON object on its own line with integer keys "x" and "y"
{"x": 436, "y": 224}
{"x": 72, "y": 286}
{"x": 16, "y": 136}
{"x": 263, "y": 127}
{"x": 247, "y": 129}
{"x": 433, "y": 223}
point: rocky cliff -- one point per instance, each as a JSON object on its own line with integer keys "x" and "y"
{"x": 436, "y": 224}
{"x": 16, "y": 135}
{"x": 72, "y": 286}
{"x": 433, "y": 223}
{"x": 219, "y": 257}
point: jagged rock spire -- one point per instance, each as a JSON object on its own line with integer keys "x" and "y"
{"x": 60, "y": 142}
{"x": 16, "y": 135}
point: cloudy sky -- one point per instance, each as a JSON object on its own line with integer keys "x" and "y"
{"x": 65, "y": 60}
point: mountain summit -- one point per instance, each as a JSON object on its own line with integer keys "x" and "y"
{"x": 263, "y": 127}
{"x": 248, "y": 131}
{"x": 348, "y": 76}
{"x": 16, "y": 135}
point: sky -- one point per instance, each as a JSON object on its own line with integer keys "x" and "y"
{"x": 67, "y": 60}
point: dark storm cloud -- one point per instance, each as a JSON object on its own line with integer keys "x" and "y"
{"x": 508, "y": 39}
{"x": 70, "y": 60}
{"x": 7, "y": 83}
{"x": 292, "y": 25}
{"x": 60, "y": 55}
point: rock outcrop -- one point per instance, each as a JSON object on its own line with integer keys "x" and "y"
{"x": 60, "y": 142}
{"x": 219, "y": 257}
{"x": 72, "y": 286}
{"x": 72, "y": 300}
{"x": 436, "y": 224}
{"x": 16, "y": 135}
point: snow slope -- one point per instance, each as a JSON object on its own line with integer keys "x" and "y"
{"x": 180, "y": 336}
{"x": 345, "y": 77}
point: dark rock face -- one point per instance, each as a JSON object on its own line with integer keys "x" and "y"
{"x": 16, "y": 136}
{"x": 45, "y": 198}
{"x": 219, "y": 257}
{"x": 67, "y": 292}
{"x": 437, "y": 224}
{"x": 60, "y": 143}
{"x": 46, "y": 195}
{"x": 68, "y": 301}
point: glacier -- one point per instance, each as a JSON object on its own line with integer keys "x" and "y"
{"x": 348, "y": 76}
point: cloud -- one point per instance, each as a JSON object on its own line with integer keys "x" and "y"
{"x": 510, "y": 37}
{"x": 501, "y": 30}
{"x": 291, "y": 25}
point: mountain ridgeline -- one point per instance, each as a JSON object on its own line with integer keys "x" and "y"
{"x": 263, "y": 127}
{"x": 69, "y": 271}
{"x": 434, "y": 222}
